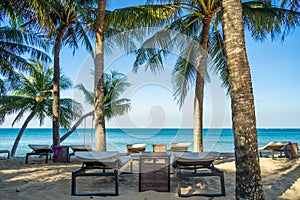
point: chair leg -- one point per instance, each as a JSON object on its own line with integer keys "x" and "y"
{"x": 222, "y": 184}
{"x": 73, "y": 184}
{"x": 47, "y": 158}
{"x": 26, "y": 160}
{"x": 116, "y": 182}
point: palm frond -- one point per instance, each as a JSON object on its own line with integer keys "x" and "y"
{"x": 88, "y": 95}
{"x": 263, "y": 19}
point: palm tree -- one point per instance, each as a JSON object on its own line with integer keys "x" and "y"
{"x": 248, "y": 175}
{"x": 33, "y": 95}
{"x": 16, "y": 43}
{"x": 115, "y": 84}
{"x": 100, "y": 134}
{"x": 63, "y": 22}
{"x": 198, "y": 19}
{"x": 114, "y": 22}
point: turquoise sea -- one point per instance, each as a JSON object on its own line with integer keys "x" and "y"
{"x": 214, "y": 139}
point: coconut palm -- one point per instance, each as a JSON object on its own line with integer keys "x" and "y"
{"x": 32, "y": 97}
{"x": 100, "y": 134}
{"x": 248, "y": 176}
{"x": 16, "y": 43}
{"x": 63, "y": 23}
{"x": 199, "y": 21}
{"x": 115, "y": 84}
{"x": 115, "y": 22}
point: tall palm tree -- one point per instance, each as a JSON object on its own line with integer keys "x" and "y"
{"x": 199, "y": 21}
{"x": 63, "y": 22}
{"x": 115, "y": 84}
{"x": 16, "y": 43}
{"x": 33, "y": 96}
{"x": 248, "y": 175}
{"x": 100, "y": 134}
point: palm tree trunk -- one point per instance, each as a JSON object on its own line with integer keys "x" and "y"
{"x": 100, "y": 135}
{"x": 18, "y": 138}
{"x": 67, "y": 134}
{"x": 248, "y": 174}
{"x": 56, "y": 90}
{"x": 199, "y": 90}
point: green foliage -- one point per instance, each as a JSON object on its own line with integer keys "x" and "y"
{"x": 37, "y": 81}
{"x": 260, "y": 17}
{"x": 52, "y": 16}
{"x": 115, "y": 84}
{"x": 16, "y": 44}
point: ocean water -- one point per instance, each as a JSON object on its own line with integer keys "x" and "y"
{"x": 220, "y": 140}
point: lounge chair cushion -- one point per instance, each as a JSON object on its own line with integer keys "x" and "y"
{"x": 109, "y": 158}
{"x": 273, "y": 146}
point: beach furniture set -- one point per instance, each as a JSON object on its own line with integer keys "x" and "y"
{"x": 154, "y": 168}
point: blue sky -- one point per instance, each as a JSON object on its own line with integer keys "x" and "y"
{"x": 275, "y": 71}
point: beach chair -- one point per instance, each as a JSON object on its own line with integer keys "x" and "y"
{"x": 109, "y": 164}
{"x": 159, "y": 147}
{"x": 6, "y": 152}
{"x": 40, "y": 150}
{"x": 76, "y": 148}
{"x": 135, "y": 148}
{"x": 180, "y": 147}
{"x": 275, "y": 147}
{"x": 197, "y": 164}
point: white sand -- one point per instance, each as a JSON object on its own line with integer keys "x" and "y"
{"x": 53, "y": 181}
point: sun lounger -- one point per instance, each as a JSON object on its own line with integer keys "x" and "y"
{"x": 180, "y": 147}
{"x": 135, "y": 148}
{"x": 159, "y": 147}
{"x": 6, "y": 152}
{"x": 39, "y": 149}
{"x": 109, "y": 163}
{"x": 197, "y": 164}
{"x": 76, "y": 148}
{"x": 275, "y": 147}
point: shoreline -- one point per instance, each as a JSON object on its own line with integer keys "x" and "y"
{"x": 53, "y": 180}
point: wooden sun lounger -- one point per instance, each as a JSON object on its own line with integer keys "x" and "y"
{"x": 103, "y": 161}
{"x": 191, "y": 164}
{"x": 135, "y": 148}
{"x": 180, "y": 147}
{"x": 275, "y": 147}
{"x": 39, "y": 149}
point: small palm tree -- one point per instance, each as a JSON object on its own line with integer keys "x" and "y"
{"x": 32, "y": 95}
{"x": 115, "y": 84}
{"x": 64, "y": 25}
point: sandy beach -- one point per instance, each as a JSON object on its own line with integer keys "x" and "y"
{"x": 53, "y": 180}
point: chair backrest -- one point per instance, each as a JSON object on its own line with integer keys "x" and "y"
{"x": 159, "y": 147}
{"x": 180, "y": 147}
{"x": 135, "y": 148}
